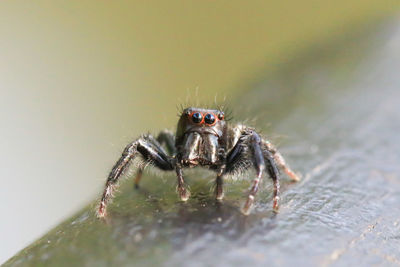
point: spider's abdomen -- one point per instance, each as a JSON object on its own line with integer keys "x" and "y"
{"x": 199, "y": 149}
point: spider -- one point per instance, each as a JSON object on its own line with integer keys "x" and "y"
{"x": 203, "y": 138}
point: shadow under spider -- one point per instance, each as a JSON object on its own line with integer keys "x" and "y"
{"x": 184, "y": 222}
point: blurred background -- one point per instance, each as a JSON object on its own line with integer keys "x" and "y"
{"x": 80, "y": 79}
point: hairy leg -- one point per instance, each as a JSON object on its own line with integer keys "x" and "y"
{"x": 149, "y": 150}
{"x": 259, "y": 165}
{"x": 219, "y": 182}
{"x": 183, "y": 192}
{"x": 250, "y": 144}
{"x": 280, "y": 161}
{"x": 165, "y": 138}
{"x": 273, "y": 173}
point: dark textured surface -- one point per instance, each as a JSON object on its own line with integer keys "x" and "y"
{"x": 340, "y": 117}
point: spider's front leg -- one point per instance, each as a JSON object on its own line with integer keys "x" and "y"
{"x": 249, "y": 143}
{"x": 219, "y": 191}
{"x": 166, "y": 138}
{"x": 184, "y": 193}
{"x": 150, "y": 150}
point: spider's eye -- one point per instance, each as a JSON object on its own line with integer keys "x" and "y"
{"x": 209, "y": 118}
{"x": 197, "y": 117}
{"x": 221, "y": 116}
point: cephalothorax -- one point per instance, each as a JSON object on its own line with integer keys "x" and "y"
{"x": 203, "y": 138}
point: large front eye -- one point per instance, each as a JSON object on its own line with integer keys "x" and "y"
{"x": 209, "y": 118}
{"x": 197, "y": 117}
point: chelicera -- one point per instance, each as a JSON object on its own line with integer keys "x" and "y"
{"x": 203, "y": 138}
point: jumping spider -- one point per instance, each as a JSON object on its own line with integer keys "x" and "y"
{"x": 203, "y": 138}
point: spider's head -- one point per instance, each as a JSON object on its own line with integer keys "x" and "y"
{"x": 199, "y": 135}
{"x": 201, "y": 121}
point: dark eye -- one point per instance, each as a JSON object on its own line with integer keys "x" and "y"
{"x": 221, "y": 116}
{"x": 197, "y": 117}
{"x": 209, "y": 118}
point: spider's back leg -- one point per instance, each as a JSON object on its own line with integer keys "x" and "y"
{"x": 280, "y": 161}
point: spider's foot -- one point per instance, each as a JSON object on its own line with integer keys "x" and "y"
{"x": 184, "y": 194}
{"x": 220, "y": 195}
{"x": 101, "y": 212}
{"x": 275, "y": 206}
{"x": 293, "y": 176}
{"x": 248, "y": 205}
{"x": 219, "y": 192}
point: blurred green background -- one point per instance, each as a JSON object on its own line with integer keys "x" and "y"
{"x": 80, "y": 79}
